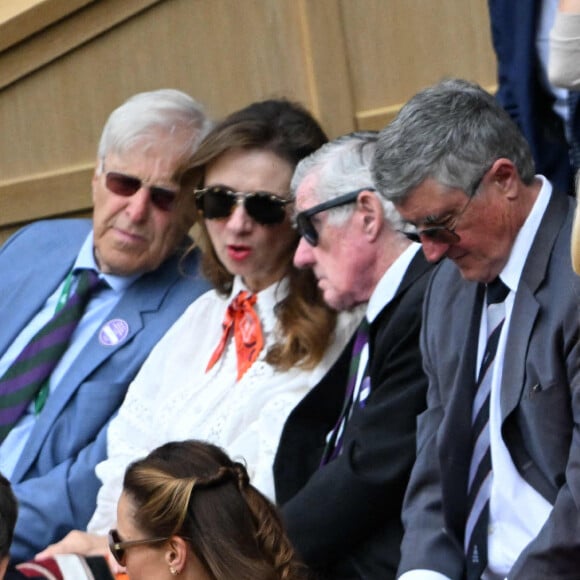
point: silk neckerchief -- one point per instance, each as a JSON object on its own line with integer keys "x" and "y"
{"x": 243, "y": 320}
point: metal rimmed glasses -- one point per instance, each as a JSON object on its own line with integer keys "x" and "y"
{"x": 445, "y": 234}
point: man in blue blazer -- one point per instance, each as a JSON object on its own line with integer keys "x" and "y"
{"x": 495, "y": 489}
{"x": 136, "y": 243}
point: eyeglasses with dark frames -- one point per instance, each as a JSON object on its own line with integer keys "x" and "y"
{"x": 219, "y": 202}
{"x": 127, "y": 185}
{"x": 306, "y": 227}
{"x": 118, "y": 547}
{"x": 445, "y": 234}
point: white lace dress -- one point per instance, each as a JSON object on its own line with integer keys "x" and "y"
{"x": 173, "y": 398}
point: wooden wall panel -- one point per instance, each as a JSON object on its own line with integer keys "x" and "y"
{"x": 352, "y": 62}
{"x": 400, "y": 46}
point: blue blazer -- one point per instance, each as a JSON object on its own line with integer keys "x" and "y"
{"x": 54, "y": 479}
{"x": 520, "y": 92}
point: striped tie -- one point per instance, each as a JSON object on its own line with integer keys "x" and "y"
{"x": 480, "y": 469}
{"x": 334, "y": 442}
{"x": 31, "y": 369}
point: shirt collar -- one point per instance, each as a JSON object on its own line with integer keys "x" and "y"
{"x": 512, "y": 271}
{"x": 390, "y": 282}
{"x": 86, "y": 259}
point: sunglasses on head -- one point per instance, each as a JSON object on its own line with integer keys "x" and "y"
{"x": 218, "y": 202}
{"x": 304, "y": 223}
{"x": 118, "y": 547}
{"x": 127, "y": 185}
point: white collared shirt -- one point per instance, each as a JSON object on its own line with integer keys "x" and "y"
{"x": 382, "y": 295}
{"x": 517, "y": 511}
{"x": 173, "y": 398}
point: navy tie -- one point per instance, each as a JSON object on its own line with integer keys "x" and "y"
{"x": 480, "y": 469}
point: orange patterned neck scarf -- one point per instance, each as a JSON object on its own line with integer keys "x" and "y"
{"x": 242, "y": 318}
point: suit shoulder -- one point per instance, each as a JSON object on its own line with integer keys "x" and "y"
{"x": 63, "y": 231}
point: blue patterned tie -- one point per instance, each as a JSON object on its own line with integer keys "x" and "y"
{"x": 32, "y": 368}
{"x": 480, "y": 470}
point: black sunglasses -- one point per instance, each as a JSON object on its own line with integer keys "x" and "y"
{"x": 127, "y": 185}
{"x": 304, "y": 223}
{"x": 118, "y": 546}
{"x": 218, "y": 202}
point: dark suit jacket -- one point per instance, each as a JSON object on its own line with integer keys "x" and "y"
{"x": 344, "y": 518}
{"x": 514, "y": 26}
{"x": 54, "y": 478}
{"x": 540, "y": 402}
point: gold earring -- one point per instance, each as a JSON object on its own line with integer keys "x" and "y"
{"x": 173, "y": 571}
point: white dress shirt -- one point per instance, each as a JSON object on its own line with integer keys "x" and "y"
{"x": 173, "y": 398}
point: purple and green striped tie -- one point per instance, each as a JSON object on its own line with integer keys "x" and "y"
{"x": 32, "y": 368}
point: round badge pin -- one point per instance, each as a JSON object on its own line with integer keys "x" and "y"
{"x": 113, "y": 332}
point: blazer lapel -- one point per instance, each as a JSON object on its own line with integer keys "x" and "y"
{"x": 416, "y": 268}
{"x": 526, "y": 306}
{"x": 26, "y": 297}
{"x": 141, "y": 297}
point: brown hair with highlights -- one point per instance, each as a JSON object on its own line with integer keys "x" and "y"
{"x": 305, "y": 323}
{"x": 194, "y": 490}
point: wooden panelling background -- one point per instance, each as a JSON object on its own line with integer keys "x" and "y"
{"x": 65, "y": 64}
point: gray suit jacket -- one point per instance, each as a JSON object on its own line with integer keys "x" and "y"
{"x": 54, "y": 479}
{"x": 540, "y": 403}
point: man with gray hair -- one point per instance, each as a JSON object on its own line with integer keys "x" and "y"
{"x": 347, "y": 449}
{"x": 495, "y": 490}
{"x": 84, "y": 302}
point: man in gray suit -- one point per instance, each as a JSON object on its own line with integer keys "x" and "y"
{"x": 495, "y": 490}
{"x": 135, "y": 243}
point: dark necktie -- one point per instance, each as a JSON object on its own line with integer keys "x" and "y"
{"x": 334, "y": 443}
{"x": 574, "y": 128}
{"x": 32, "y": 368}
{"x": 480, "y": 469}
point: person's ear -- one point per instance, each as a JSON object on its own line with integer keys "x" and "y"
{"x": 371, "y": 210}
{"x": 504, "y": 175}
{"x": 176, "y": 555}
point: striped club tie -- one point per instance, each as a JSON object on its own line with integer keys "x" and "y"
{"x": 32, "y": 368}
{"x": 480, "y": 469}
{"x": 334, "y": 443}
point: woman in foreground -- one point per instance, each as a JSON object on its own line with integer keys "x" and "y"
{"x": 187, "y": 510}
